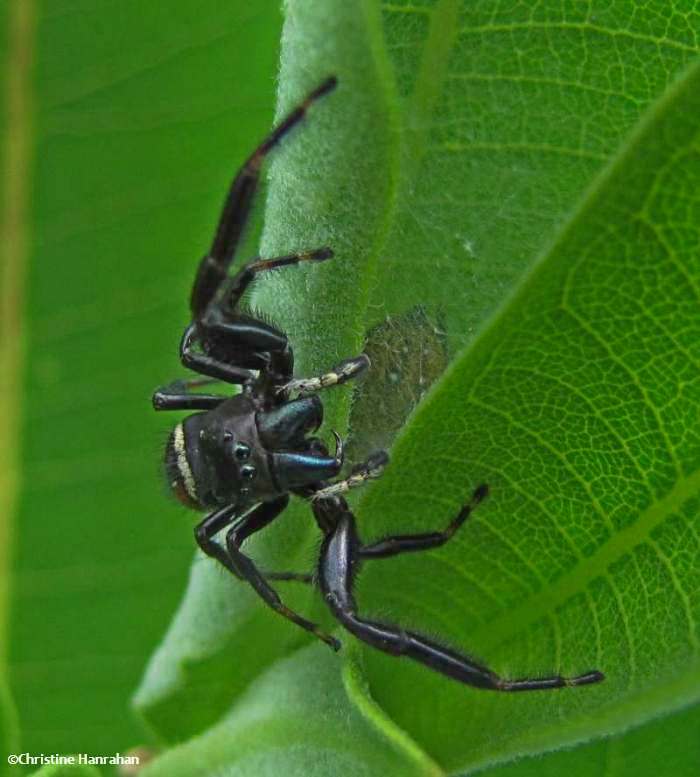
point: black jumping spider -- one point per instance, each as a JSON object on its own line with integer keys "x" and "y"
{"x": 244, "y": 455}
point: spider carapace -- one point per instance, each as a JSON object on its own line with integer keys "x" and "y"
{"x": 241, "y": 457}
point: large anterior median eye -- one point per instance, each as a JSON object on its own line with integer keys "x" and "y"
{"x": 242, "y": 451}
{"x": 248, "y": 472}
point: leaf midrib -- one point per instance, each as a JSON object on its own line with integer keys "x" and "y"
{"x": 597, "y": 565}
{"x": 368, "y": 277}
{"x": 548, "y": 26}
{"x": 432, "y": 70}
{"x": 583, "y": 573}
{"x": 683, "y": 692}
{"x": 358, "y": 692}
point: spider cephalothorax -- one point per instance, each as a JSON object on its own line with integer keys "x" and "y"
{"x": 238, "y": 454}
{"x": 243, "y": 456}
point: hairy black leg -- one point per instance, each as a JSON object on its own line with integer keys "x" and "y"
{"x": 406, "y": 543}
{"x": 371, "y": 469}
{"x": 209, "y": 365}
{"x": 338, "y": 566}
{"x": 297, "y": 577}
{"x": 398, "y": 642}
{"x": 246, "y": 569}
{"x": 213, "y": 267}
{"x": 342, "y": 372}
{"x": 231, "y": 343}
{"x": 214, "y": 523}
{"x": 237, "y": 284}
{"x": 205, "y": 531}
{"x": 177, "y": 396}
{"x": 245, "y": 334}
{"x": 257, "y": 344}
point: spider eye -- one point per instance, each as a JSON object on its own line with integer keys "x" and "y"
{"x": 242, "y": 451}
{"x": 248, "y": 472}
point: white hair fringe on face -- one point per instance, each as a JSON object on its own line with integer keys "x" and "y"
{"x": 182, "y": 464}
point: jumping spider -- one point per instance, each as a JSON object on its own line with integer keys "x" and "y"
{"x": 244, "y": 455}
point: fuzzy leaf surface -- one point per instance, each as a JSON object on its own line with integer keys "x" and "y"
{"x": 670, "y": 745}
{"x": 460, "y": 137}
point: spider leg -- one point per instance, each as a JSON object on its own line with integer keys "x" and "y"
{"x": 406, "y": 543}
{"x": 237, "y": 285}
{"x": 346, "y": 370}
{"x": 212, "y": 525}
{"x": 176, "y": 396}
{"x": 228, "y": 336}
{"x": 297, "y": 577}
{"x": 368, "y": 470}
{"x": 207, "y": 364}
{"x": 205, "y": 531}
{"x": 213, "y": 268}
{"x": 245, "y": 568}
{"x": 340, "y": 559}
{"x": 230, "y": 342}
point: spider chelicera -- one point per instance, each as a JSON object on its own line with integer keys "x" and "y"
{"x": 244, "y": 455}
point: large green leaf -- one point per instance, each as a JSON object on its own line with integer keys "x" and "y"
{"x": 459, "y": 139}
{"x": 579, "y": 405}
{"x": 295, "y": 719}
{"x": 67, "y": 770}
{"x": 14, "y": 156}
{"x": 667, "y": 746}
{"x": 141, "y": 113}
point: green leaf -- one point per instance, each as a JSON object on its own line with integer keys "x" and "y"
{"x": 667, "y": 746}
{"x": 67, "y": 770}
{"x": 222, "y": 635}
{"x": 13, "y": 216}
{"x": 137, "y": 114}
{"x": 294, "y": 719}
{"x": 579, "y": 406}
{"x": 459, "y": 139}
{"x": 9, "y": 729}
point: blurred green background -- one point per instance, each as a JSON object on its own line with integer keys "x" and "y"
{"x": 141, "y": 113}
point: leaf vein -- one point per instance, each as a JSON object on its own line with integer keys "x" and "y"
{"x": 453, "y": 147}
{"x": 680, "y": 590}
{"x": 596, "y": 413}
{"x": 595, "y": 566}
{"x": 554, "y": 452}
{"x": 590, "y": 331}
{"x": 580, "y": 27}
{"x": 518, "y": 78}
